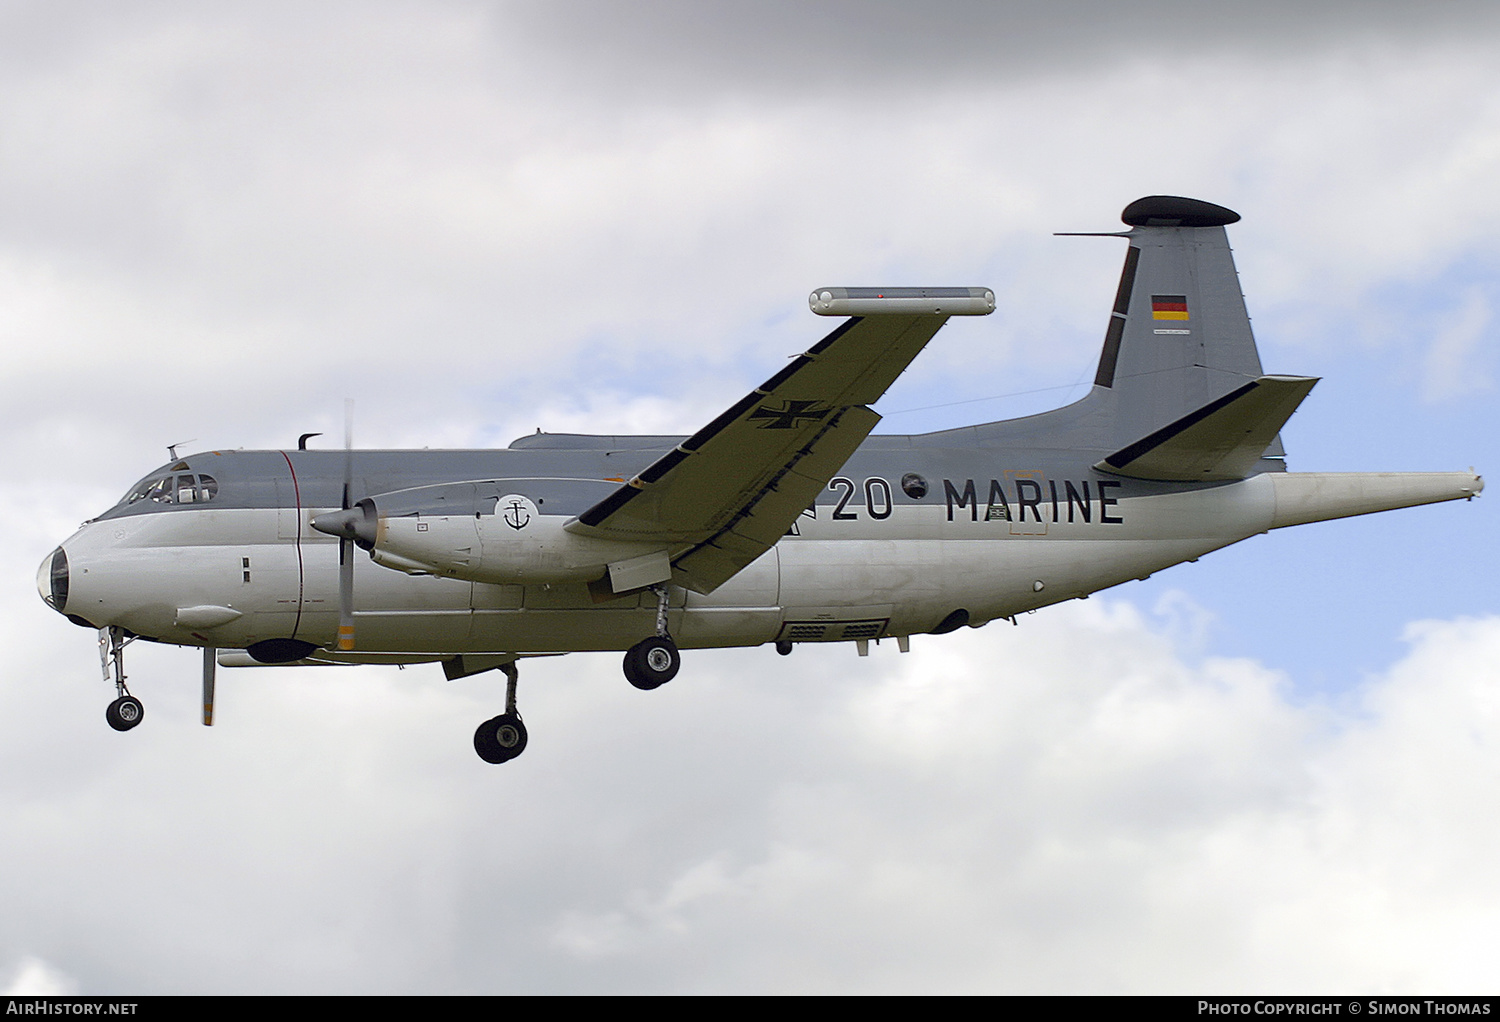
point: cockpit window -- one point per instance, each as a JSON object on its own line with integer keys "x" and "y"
{"x": 181, "y": 488}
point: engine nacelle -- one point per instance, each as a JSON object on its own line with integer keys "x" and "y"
{"x": 496, "y": 531}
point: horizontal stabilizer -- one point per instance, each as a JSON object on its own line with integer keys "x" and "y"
{"x": 1223, "y": 440}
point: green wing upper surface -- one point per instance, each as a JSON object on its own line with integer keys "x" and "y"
{"x": 725, "y": 495}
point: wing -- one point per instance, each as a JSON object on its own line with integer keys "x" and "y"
{"x": 725, "y": 495}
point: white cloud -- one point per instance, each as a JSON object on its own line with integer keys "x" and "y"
{"x": 409, "y": 231}
{"x": 1071, "y": 807}
{"x": 1455, "y": 363}
{"x": 32, "y": 977}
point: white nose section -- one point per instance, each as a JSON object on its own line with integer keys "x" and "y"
{"x": 52, "y": 580}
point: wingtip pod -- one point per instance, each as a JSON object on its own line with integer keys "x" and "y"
{"x": 1303, "y": 497}
{"x": 906, "y": 301}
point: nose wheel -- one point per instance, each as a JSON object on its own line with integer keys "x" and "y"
{"x": 126, "y": 711}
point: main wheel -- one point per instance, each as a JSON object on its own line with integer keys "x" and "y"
{"x": 652, "y": 662}
{"x": 124, "y": 713}
{"x": 500, "y": 739}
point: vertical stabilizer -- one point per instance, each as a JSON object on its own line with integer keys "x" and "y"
{"x": 1179, "y": 336}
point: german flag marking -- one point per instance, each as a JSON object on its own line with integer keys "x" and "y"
{"x": 1169, "y": 307}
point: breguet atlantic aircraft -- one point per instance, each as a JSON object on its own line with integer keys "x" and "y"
{"x": 781, "y": 521}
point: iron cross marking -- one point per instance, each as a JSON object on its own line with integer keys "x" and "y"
{"x": 787, "y": 416}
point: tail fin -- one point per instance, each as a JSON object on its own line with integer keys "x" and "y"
{"x": 1179, "y": 392}
{"x": 1179, "y": 337}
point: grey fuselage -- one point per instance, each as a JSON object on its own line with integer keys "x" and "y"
{"x": 915, "y": 534}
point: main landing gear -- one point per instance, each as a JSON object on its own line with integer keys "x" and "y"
{"x": 126, "y": 711}
{"x": 503, "y": 738}
{"x": 649, "y": 664}
{"x": 653, "y": 662}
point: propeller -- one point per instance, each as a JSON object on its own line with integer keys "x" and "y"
{"x": 352, "y": 525}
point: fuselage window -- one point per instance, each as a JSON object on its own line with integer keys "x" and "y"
{"x": 141, "y": 492}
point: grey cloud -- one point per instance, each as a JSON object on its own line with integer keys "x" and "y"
{"x": 782, "y": 47}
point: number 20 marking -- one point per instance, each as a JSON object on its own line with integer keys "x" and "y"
{"x": 877, "y": 507}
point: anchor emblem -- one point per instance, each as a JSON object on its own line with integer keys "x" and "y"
{"x": 516, "y": 514}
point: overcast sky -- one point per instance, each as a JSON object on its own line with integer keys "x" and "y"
{"x": 1273, "y": 770}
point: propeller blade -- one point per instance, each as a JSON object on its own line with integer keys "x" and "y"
{"x": 210, "y": 662}
{"x": 346, "y": 595}
{"x": 346, "y": 542}
{"x": 348, "y": 448}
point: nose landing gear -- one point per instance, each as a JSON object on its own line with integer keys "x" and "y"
{"x": 126, "y": 711}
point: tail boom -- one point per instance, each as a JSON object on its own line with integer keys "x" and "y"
{"x": 1303, "y": 497}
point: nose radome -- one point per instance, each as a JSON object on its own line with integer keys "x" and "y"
{"x": 52, "y": 580}
{"x": 44, "y": 580}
